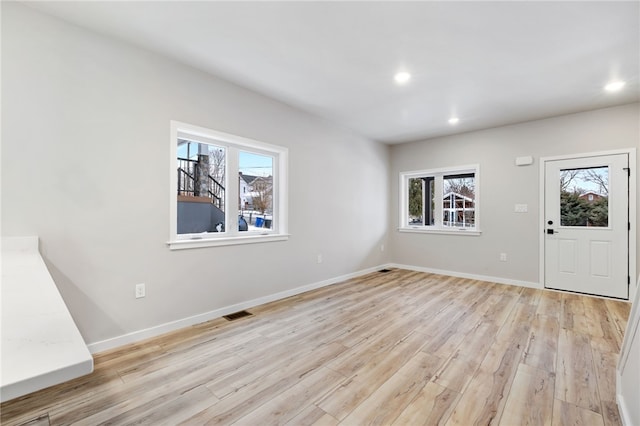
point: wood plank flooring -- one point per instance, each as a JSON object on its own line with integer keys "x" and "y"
{"x": 396, "y": 348}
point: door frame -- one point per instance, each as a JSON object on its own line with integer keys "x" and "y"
{"x": 632, "y": 234}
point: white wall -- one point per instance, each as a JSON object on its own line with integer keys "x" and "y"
{"x": 85, "y": 154}
{"x": 628, "y": 369}
{"x": 502, "y": 184}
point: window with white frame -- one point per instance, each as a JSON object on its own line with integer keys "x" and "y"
{"x": 440, "y": 200}
{"x": 225, "y": 189}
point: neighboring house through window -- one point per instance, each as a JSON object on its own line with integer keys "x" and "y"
{"x": 208, "y": 206}
{"x": 440, "y": 200}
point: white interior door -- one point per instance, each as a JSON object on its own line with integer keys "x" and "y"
{"x": 586, "y": 225}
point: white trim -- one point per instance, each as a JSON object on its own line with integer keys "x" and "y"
{"x": 139, "y": 335}
{"x": 228, "y": 241}
{"x": 233, "y": 144}
{"x": 633, "y": 323}
{"x": 631, "y": 152}
{"x": 541, "y": 216}
{"x": 497, "y": 280}
{"x": 587, "y": 155}
{"x": 630, "y": 334}
{"x": 214, "y": 136}
{"x": 625, "y": 416}
{"x": 452, "y": 231}
{"x": 438, "y": 173}
{"x": 633, "y": 220}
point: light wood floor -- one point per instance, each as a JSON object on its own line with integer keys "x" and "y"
{"x": 401, "y": 348}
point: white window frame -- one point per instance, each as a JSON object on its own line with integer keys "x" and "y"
{"x": 233, "y": 144}
{"x": 437, "y": 174}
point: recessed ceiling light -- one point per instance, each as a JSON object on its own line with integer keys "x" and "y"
{"x": 402, "y": 77}
{"x": 454, "y": 120}
{"x": 614, "y": 86}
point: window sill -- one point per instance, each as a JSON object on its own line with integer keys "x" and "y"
{"x": 456, "y": 231}
{"x": 225, "y": 241}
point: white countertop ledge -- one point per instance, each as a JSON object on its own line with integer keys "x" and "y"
{"x": 41, "y": 344}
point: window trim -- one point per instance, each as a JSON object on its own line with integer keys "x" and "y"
{"x": 438, "y": 174}
{"x": 233, "y": 144}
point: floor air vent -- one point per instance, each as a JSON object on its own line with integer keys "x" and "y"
{"x": 384, "y": 270}
{"x": 237, "y": 315}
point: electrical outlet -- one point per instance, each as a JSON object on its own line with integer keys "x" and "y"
{"x": 503, "y": 257}
{"x": 319, "y": 258}
{"x": 140, "y": 291}
{"x": 382, "y": 247}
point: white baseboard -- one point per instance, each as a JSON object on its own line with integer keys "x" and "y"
{"x": 498, "y": 280}
{"x": 625, "y": 416}
{"x": 628, "y": 366}
{"x": 147, "y": 333}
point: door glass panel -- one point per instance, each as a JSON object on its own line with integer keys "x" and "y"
{"x": 584, "y": 197}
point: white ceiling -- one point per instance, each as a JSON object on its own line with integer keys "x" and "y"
{"x": 489, "y": 63}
